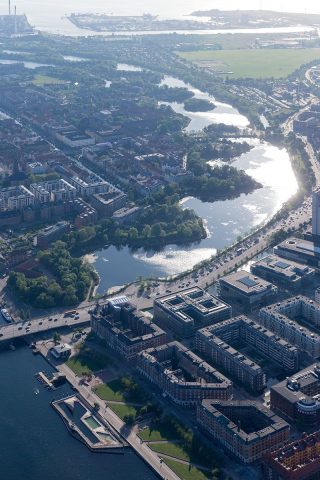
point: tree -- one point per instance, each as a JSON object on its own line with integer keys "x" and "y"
{"x": 146, "y": 232}
{"x": 56, "y": 338}
{"x": 133, "y": 233}
{"x": 157, "y": 230}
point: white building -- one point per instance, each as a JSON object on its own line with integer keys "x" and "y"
{"x": 53, "y": 191}
{"x": 74, "y": 139}
{"x": 281, "y": 317}
{"x": 62, "y": 350}
{"x": 37, "y": 168}
{"x": 93, "y": 185}
{"x": 16, "y": 198}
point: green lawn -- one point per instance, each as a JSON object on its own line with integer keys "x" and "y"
{"x": 277, "y": 63}
{"x": 116, "y": 391}
{"x": 185, "y": 472}
{"x": 172, "y": 449}
{"x": 123, "y": 410}
{"x": 112, "y": 391}
{"x": 87, "y": 363}
{"x": 159, "y": 433}
{"x": 40, "y": 80}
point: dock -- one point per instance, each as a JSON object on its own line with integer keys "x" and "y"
{"x": 42, "y": 377}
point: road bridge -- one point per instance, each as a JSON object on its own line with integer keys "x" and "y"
{"x": 15, "y": 330}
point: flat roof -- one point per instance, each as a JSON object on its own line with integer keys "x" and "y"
{"x": 284, "y": 268}
{"x": 246, "y": 282}
{"x": 297, "y": 246}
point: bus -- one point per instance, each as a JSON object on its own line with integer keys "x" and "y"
{"x": 70, "y": 313}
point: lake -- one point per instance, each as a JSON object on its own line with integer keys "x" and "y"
{"x": 225, "y": 220}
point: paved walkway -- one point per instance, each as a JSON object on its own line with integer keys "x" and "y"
{"x": 128, "y": 434}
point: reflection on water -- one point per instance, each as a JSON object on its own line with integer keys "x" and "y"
{"x": 71, "y": 58}
{"x": 30, "y": 65}
{"x": 225, "y": 221}
{"x": 125, "y": 67}
{"x": 223, "y": 113}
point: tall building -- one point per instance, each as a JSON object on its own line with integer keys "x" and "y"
{"x": 316, "y": 214}
{"x": 52, "y": 234}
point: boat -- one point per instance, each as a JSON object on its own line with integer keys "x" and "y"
{"x": 6, "y": 315}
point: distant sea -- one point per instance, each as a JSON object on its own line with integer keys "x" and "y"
{"x": 47, "y": 14}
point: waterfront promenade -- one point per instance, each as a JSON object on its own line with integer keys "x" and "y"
{"x": 141, "y": 448}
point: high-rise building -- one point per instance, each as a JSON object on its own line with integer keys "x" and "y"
{"x": 316, "y": 214}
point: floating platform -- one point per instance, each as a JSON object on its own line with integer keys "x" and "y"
{"x": 87, "y": 425}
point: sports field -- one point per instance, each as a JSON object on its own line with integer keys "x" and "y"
{"x": 277, "y": 63}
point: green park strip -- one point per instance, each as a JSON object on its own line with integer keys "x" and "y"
{"x": 124, "y": 411}
{"x": 171, "y": 449}
{"x": 277, "y": 63}
{"x": 186, "y": 472}
{"x": 160, "y": 433}
{"x": 123, "y": 389}
{"x": 112, "y": 391}
{"x": 86, "y": 362}
{"x": 40, "y": 80}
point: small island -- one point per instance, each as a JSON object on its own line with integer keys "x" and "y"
{"x": 198, "y": 105}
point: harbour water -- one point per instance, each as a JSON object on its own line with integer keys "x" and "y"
{"x": 34, "y": 442}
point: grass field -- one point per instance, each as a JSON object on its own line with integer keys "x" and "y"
{"x": 276, "y": 63}
{"x": 86, "y": 363}
{"x": 172, "y": 449}
{"x": 123, "y": 410}
{"x": 160, "y": 433}
{"x": 112, "y": 391}
{"x": 40, "y": 80}
{"x": 185, "y": 472}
